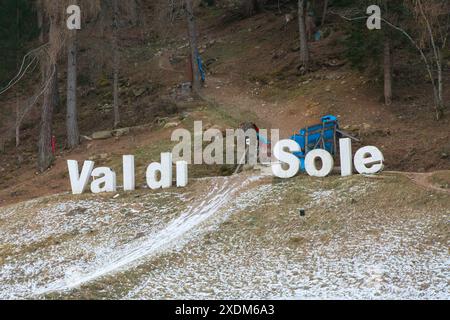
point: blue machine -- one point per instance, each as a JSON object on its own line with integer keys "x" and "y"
{"x": 320, "y": 136}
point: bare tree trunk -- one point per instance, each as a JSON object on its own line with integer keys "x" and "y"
{"x": 103, "y": 24}
{"x": 55, "y": 85}
{"x": 17, "y": 98}
{"x": 438, "y": 89}
{"x": 17, "y": 129}
{"x": 73, "y": 136}
{"x": 192, "y": 29}
{"x": 387, "y": 64}
{"x": 325, "y": 11}
{"x": 17, "y": 136}
{"x": 45, "y": 156}
{"x": 116, "y": 63}
{"x": 304, "y": 50}
{"x": 40, "y": 20}
{"x": 250, "y": 7}
{"x": 134, "y": 12}
{"x": 440, "y": 92}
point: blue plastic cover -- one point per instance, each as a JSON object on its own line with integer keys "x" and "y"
{"x": 328, "y": 124}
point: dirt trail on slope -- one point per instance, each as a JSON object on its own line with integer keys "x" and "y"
{"x": 425, "y": 180}
{"x": 236, "y": 96}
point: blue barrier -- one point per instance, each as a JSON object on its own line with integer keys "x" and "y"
{"x": 322, "y": 135}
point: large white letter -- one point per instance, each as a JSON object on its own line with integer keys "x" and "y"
{"x": 374, "y": 21}
{"x": 327, "y": 163}
{"x": 198, "y": 142}
{"x": 183, "y": 147}
{"x": 104, "y": 180}
{"x": 164, "y": 169}
{"x": 182, "y": 174}
{"x": 369, "y": 160}
{"x": 129, "y": 178}
{"x": 213, "y": 153}
{"x": 79, "y": 182}
{"x": 74, "y": 20}
{"x": 345, "y": 150}
{"x": 286, "y": 157}
{"x": 265, "y": 146}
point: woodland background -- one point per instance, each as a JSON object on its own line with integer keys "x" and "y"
{"x": 278, "y": 63}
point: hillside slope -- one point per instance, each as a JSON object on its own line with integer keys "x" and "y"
{"x": 236, "y": 237}
{"x": 230, "y": 235}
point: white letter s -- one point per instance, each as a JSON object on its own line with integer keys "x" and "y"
{"x": 286, "y": 157}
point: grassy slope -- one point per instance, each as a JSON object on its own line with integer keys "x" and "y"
{"x": 361, "y": 237}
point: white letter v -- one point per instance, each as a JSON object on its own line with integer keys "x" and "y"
{"x": 79, "y": 182}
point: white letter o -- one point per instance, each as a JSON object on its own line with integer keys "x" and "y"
{"x": 327, "y": 163}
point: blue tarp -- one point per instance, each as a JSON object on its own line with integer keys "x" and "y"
{"x": 201, "y": 70}
{"x": 329, "y": 124}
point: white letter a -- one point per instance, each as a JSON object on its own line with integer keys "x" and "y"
{"x": 374, "y": 21}
{"x": 74, "y": 20}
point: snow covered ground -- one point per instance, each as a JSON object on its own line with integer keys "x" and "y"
{"x": 237, "y": 237}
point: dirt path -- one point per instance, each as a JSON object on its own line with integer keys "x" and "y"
{"x": 424, "y": 180}
{"x": 243, "y": 99}
{"x": 164, "y": 63}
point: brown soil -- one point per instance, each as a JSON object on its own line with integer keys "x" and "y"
{"x": 439, "y": 180}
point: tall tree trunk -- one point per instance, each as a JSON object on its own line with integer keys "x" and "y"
{"x": 192, "y": 29}
{"x": 304, "y": 50}
{"x": 387, "y": 64}
{"x": 440, "y": 84}
{"x": 325, "y": 11}
{"x": 116, "y": 63}
{"x": 210, "y": 3}
{"x": 40, "y": 20}
{"x": 17, "y": 126}
{"x": 45, "y": 155}
{"x": 250, "y": 7}
{"x": 17, "y": 98}
{"x": 134, "y": 15}
{"x": 73, "y": 136}
{"x": 103, "y": 24}
{"x": 441, "y": 91}
{"x": 437, "y": 88}
{"x": 56, "y": 98}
